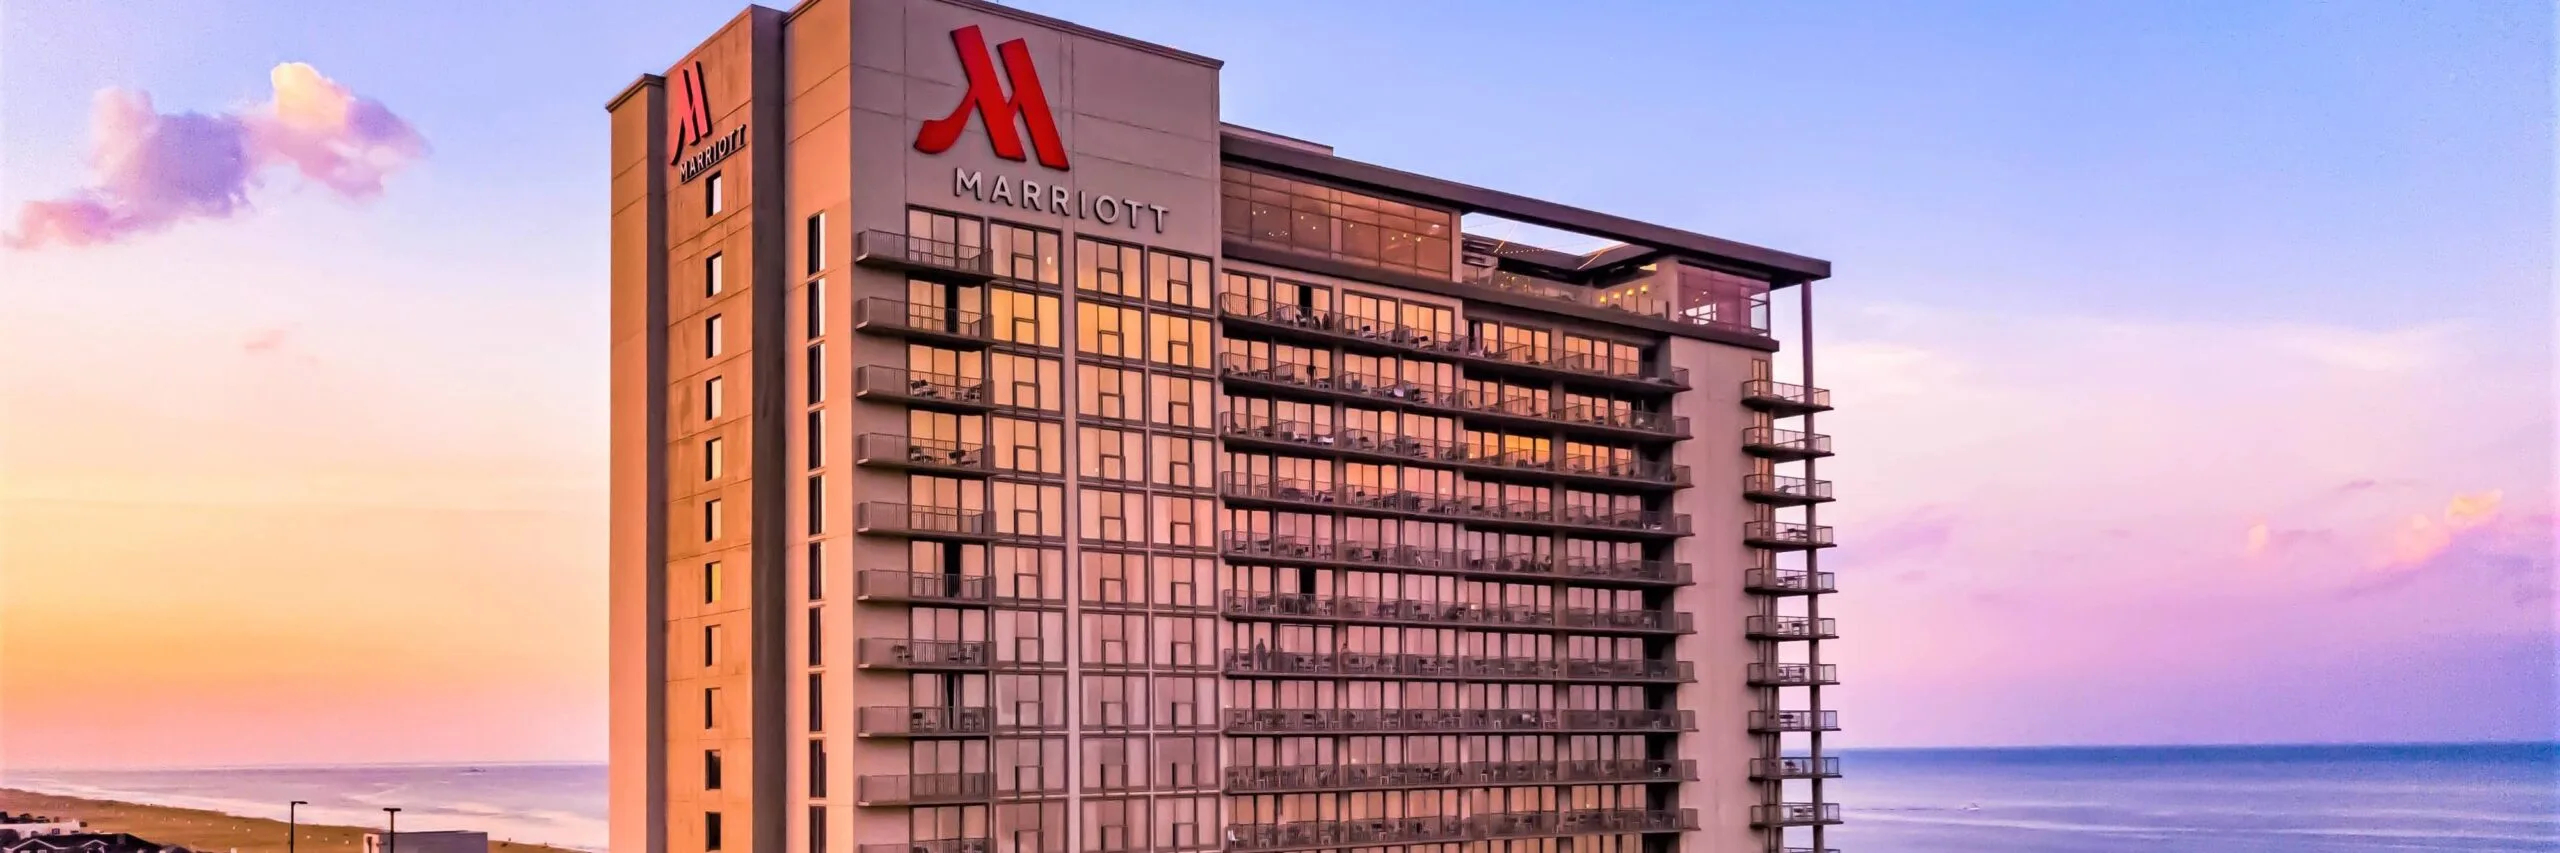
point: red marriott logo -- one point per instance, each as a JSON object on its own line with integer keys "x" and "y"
{"x": 690, "y": 123}
{"x": 986, "y": 97}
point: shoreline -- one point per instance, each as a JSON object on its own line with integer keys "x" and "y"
{"x": 209, "y": 831}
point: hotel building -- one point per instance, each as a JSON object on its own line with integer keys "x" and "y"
{"x": 1009, "y": 457}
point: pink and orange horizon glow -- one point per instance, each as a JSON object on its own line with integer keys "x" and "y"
{"x": 2153, "y": 429}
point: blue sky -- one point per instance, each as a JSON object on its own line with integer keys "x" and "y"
{"x": 2152, "y": 320}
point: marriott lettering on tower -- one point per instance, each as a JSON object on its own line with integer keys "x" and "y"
{"x": 1057, "y": 199}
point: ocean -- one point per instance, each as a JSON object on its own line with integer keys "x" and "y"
{"x": 2281, "y": 799}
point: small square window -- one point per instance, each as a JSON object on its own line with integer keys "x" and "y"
{"x": 711, "y": 343}
{"x": 711, "y": 202}
{"x": 711, "y": 278}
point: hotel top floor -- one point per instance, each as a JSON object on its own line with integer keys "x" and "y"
{"x": 886, "y": 107}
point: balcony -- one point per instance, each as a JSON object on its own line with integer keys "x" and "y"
{"x": 1790, "y": 628}
{"x": 932, "y": 258}
{"x": 1273, "y": 664}
{"x": 1774, "y": 490}
{"x": 1315, "y": 324}
{"x": 905, "y": 654}
{"x": 1629, "y": 571}
{"x": 1295, "y": 493}
{"x": 941, "y": 845}
{"x": 922, "y": 587}
{"x": 1314, "y": 834}
{"x": 1636, "y": 473}
{"x": 1628, "y": 670}
{"x": 883, "y": 518}
{"x": 1308, "y": 382}
{"x": 937, "y": 391}
{"x": 924, "y": 455}
{"x": 1785, "y": 445}
{"x": 1795, "y": 767}
{"x": 1308, "y": 607}
{"x": 1466, "y": 774}
{"x": 924, "y": 789}
{"x": 1795, "y": 814}
{"x": 1250, "y": 721}
{"x": 924, "y": 721}
{"x": 1786, "y": 535}
{"x": 1787, "y": 582}
{"x": 1765, "y": 722}
{"x": 937, "y": 324}
{"x": 1780, "y": 399}
{"x": 1791, "y": 674}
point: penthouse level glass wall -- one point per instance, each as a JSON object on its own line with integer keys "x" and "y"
{"x": 1412, "y": 660}
{"x": 1061, "y": 410}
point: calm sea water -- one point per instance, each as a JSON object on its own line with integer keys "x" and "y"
{"x": 2313, "y": 799}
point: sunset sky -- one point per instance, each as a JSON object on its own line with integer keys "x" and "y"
{"x": 2193, "y": 360}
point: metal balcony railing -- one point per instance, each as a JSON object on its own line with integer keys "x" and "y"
{"x": 1658, "y": 423}
{"x": 1795, "y": 767}
{"x": 1298, "y": 835}
{"x": 1791, "y": 674}
{"x": 1626, "y": 619}
{"x": 1773, "y": 396}
{"x": 919, "y": 388}
{"x": 1468, "y": 774}
{"x": 1263, "y": 662}
{"x": 891, "y": 249}
{"x": 923, "y": 721}
{"x": 1795, "y": 721}
{"x": 898, "y": 316}
{"x": 1789, "y": 628}
{"x": 1412, "y": 392}
{"x": 923, "y": 789}
{"x": 1795, "y": 814}
{"x": 1627, "y": 669}
{"x": 1638, "y": 470}
{"x": 1308, "y": 320}
{"x": 1454, "y": 720}
{"x": 885, "y": 450}
{"x": 939, "y": 845}
{"x": 1785, "y": 535}
{"x": 1313, "y": 607}
{"x": 913, "y": 520}
{"x": 1786, "y": 582}
{"x": 930, "y": 587}
{"x": 1785, "y": 444}
{"x": 1600, "y": 568}
{"x": 898, "y": 653}
{"x": 1785, "y": 491}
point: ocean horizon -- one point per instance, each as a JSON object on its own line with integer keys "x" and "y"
{"x": 2308, "y": 798}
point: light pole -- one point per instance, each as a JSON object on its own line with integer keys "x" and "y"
{"x": 391, "y": 839}
{"x": 289, "y": 831}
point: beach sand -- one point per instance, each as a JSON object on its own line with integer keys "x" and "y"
{"x": 209, "y": 832}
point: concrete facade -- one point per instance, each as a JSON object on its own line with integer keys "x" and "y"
{"x": 988, "y": 505}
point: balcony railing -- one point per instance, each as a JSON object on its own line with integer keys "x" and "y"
{"x": 1455, "y": 774}
{"x": 1784, "y": 399}
{"x": 1654, "y": 571}
{"x": 1322, "y": 495}
{"x": 885, "y": 450}
{"x": 923, "y": 721}
{"x": 899, "y": 519}
{"x": 933, "y": 390}
{"x": 1776, "y": 490}
{"x": 900, "y": 317}
{"x": 898, "y": 251}
{"x": 1792, "y": 674}
{"x": 1786, "y": 582}
{"x": 1312, "y": 834}
{"x": 1260, "y": 662}
{"x": 1636, "y": 470}
{"x": 1329, "y": 608}
{"x": 898, "y": 653}
{"x": 1455, "y": 720}
{"x": 1789, "y": 628}
{"x": 1795, "y": 721}
{"x": 1795, "y": 767}
{"x": 939, "y": 845}
{"x": 1795, "y": 814}
{"x": 1785, "y": 445}
{"x": 924, "y": 788}
{"x": 930, "y": 587}
{"x": 1785, "y": 535}
{"x": 1443, "y": 398}
{"x": 1443, "y": 344}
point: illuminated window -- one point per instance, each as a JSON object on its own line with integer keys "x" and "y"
{"x": 711, "y": 277}
{"x": 711, "y": 337}
{"x": 711, "y": 461}
{"x": 711, "y": 202}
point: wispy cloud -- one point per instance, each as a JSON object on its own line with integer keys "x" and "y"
{"x": 151, "y": 170}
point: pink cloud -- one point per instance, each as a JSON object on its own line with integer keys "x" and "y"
{"x": 151, "y": 170}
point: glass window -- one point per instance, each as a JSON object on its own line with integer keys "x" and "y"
{"x": 1108, "y": 268}
{"x": 1109, "y": 392}
{"x": 711, "y": 520}
{"x": 1027, "y": 446}
{"x": 1317, "y": 219}
{"x": 1179, "y": 341}
{"x": 1026, "y": 254}
{"x": 711, "y": 277}
{"x": 1030, "y": 319}
{"x": 1177, "y": 279}
{"x": 1110, "y": 454}
{"x": 712, "y": 201}
{"x": 1024, "y": 382}
{"x": 943, "y": 239}
{"x": 711, "y": 398}
{"x": 814, "y": 243}
{"x": 1108, "y": 330}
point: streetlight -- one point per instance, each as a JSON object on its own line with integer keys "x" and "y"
{"x": 289, "y": 831}
{"x": 391, "y": 839}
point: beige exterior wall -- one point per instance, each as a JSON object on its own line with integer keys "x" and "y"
{"x": 1722, "y": 745}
